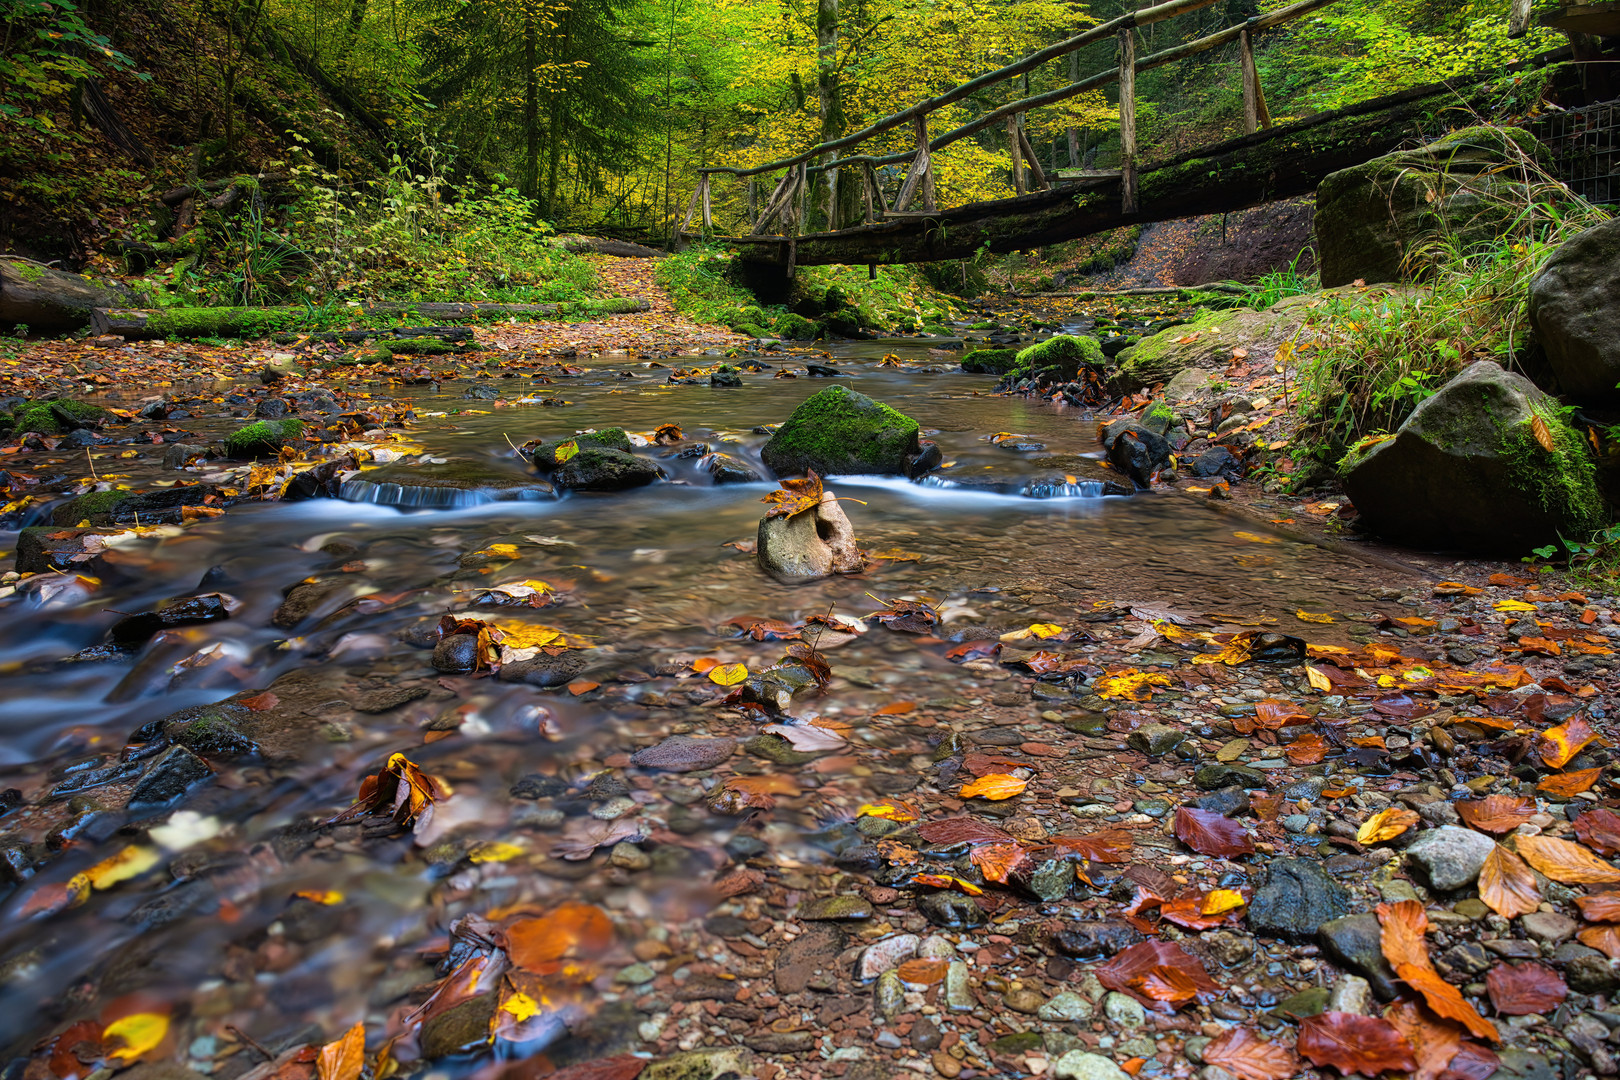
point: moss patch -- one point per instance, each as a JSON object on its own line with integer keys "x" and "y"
{"x": 1059, "y": 357}
{"x": 1564, "y": 479}
{"x": 38, "y": 415}
{"x": 545, "y": 455}
{"x": 796, "y": 327}
{"x": 265, "y": 437}
{"x": 990, "y": 361}
{"x": 838, "y": 431}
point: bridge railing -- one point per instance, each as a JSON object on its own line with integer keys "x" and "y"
{"x": 785, "y": 211}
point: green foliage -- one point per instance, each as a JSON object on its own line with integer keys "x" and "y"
{"x": 47, "y": 47}
{"x": 701, "y": 282}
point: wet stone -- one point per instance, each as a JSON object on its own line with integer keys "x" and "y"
{"x": 1549, "y": 926}
{"x": 1016, "y": 1044}
{"x": 1095, "y": 940}
{"x": 459, "y": 1028}
{"x": 1079, "y": 1065}
{"x": 544, "y": 670}
{"x": 1124, "y": 1010}
{"x": 1155, "y": 740}
{"x": 831, "y": 908}
{"x": 1051, "y": 879}
{"x": 958, "y": 997}
{"x": 775, "y": 749}
{"x": 391, "y": 697}
{"x": 539, "y": 786}
{"x": 806, "y": 956}
{"x": 1450, "y": 857}
{"x": 683, "y": 753}
{"x": 889, "y": 996}
{"x": 1066, "y": 1007}
{"x": 701, "y": 1065}
{"x": 1296, "y": 897}
{"x": 925, "y": 1035}
{"x": 886, "y": 955}
{"x": 456, "y": 654}
{"x": 168, "y": 777}
{"x": 1227, "y": 801}
{"x": 1211, "y": 775}
{"x": 1025, "y": 1001}
{"x": 1464, "y": 961}
{"x": 951, "y": 911}
{"x": 1355, "y": 942}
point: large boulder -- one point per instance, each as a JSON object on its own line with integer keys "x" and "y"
{"x": 1575, "y": 309}
{"x": 1468, "y": 471}
{"x": 1058, "y": 359}
{"x": 1465, "y": 186}
{"x": 839, "y": 432}
{"x": 810, "y": 544}
{"x": 1210, "y": 343}
{"x": 605, "y": 470}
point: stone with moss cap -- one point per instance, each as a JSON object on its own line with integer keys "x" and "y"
{"x": 1467, "y": 472}
{"x": 990, "y": 361}
{"x": 1058, "y": 358}
{"x": 545, "y": 455}
{"x": 45, "y": 417}
{"x": 1575, "y": 309}
{"x": 264, "y": 438}
{"x": 837, "y": 431}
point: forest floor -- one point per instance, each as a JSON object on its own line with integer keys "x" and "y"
{"x": 1065, "y": 804}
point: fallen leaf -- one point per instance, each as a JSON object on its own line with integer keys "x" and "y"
{"x": 1565, "y": 862}
{"x": 1306, "y": 616}
{"x": 131, "y": 1036}
{"x": 571, "y": 931}
{"x": 1497, "y": 813}
{"x": 1386, "y": 825}
{"x": 893, "y": 810}
{"x": 1538, "y": 428}
{"x": 343, "y": 1058}
{"x": 728, "y": 674}
{"x": 259, "y": 702}
{"x": 1506, "y": 884}
{"x": 1568, "y": 785}
{"x": 1130, "y": 684}
{"x": 132, "y": 861}
{"x": 1353, "y": 1043}
{"x": 1107, "y": 846}
{"x": 1308, "y": 749}
{"x": 807, "y": 738}
{"x": 1209, "y": 833}
{"x": 1560, "y": 744}
{"x": 1401, "y": 941}
{"x": 1434, "y": 1042}
{"x": 947, "y": 881}
{"x": 1599, "y": 907}
{"x": 1244, "y": 1054}
{"x": 795, "y": 496}
{"x": 400, "y": 788}
{"x": 1599, "y": 829}
{"x": 962, "y": 830}
{"x": 995, "y": 787}
{"x": 1522, "y": 989}
{"x": 996, "y": 861}
{"x": 922, "y": 972}
{"x": 1605, "y": 939}
{"x": 1159, "y": 974}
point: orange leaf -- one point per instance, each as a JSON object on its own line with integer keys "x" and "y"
{"x": 1605, "y": 939}
{"x": 996, "y": 786}
{"x": 1386, "y": 825}
{"x": 342, "y": 1059}
{"x": 572, "y": 931}
{"x": 1538, "y": 428}
{"x": 1599, "y": 907}
{"x": 1434, "y": 1043}
{"x": 1565, "y": 862}
{"x": 1562, "y": 743}
{"x": 996, "y": 861}
{"x": 582, "y": 686}
{"x": 1497, "y": 813}
{"x": 897, "y": 708}
{"x": 922, "y": 972}
{"x": 795, "y": 496}
{"x": 1308, "y": 749}
{"x": 1568, "y": 785}
{"x": 259, "y": 702}
{"x": 1506, "y": 884}
{"x": 1244, "y": 1054}
{"x": 1403, "y": 946}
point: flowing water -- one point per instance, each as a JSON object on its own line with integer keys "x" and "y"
{"x": 1003, "y": 536}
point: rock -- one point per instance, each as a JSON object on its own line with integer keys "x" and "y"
{"x": 683, "y": 753}
{"x": 1295, "y": 898}
{"x": 951, "y": 910}
{"x": 725, "y": 375}
{"x": 1058, "y": 359}
{"x": 1123, "y": 1010}
{"x": 1049, "y": 879}
{"x": 958, "y": 995}
{"x": 324, "y": 481}
{"x": 179, "y": 455}
{"x": 889, "y": 996}
{"x": 1212, "y": 775}
{"x": 1450, "y": 857}
{"x": 1066, "y": 1007}
{"x": 605, "y": 470}
{"x": 728, "y": 470}
{"x": 830, "y": 908}
{"x": 1355, "y": 942}
{"x": 1572, "y": 308}
{"x": 808, "y": 955}
{"x": 544, "y": 670}
{"x": 303, "y": 600}
{"x": 102, "y": 508}
{"x": 1465, "y": 185}
{"x": 442, "y": 486}
{"x": 1217, "y": 462}
{"x": 990, "y": 361}
{"x": 1351, "y": 994}
{"x": 1079, "y": 1065}
{"x": 730, "y": 1063}
{"x": 1156, "y": 740}
{"x": 925, "y": 1035}
{"x": 1548, "y": 926}
{"x": 264, "y": 438}
{"x": 1465, "y": 471}
{"x": 1024, "y": 1001}
{"x": 808, "y": 545}
{"x": 837, "y": 431}
{"x": 886, "y": 955}
{"x": 456, "y": 654}
{"x": 545, "y": 456}
{"x": 1095, "y": 939}
{"x": 1228, "y": 802}
{"x": 1207, "y": 344}
{"x": 1523, "y": 1065}
{"x": 168, "y": 777}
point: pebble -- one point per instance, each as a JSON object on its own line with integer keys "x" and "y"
{"x": 1449, "y": 856}
{"x": 1026, "y": 1001}
{"x": 628, "y": 856}
{"x": 636, "y": 974}
{"x": 1078, "y": 1065}
{"x": 958, "y": 998}
{"x": 1549, "y": 926}
{"x": 1066, "y": 1007}
{"x": 1351, "y": 994}
{"x": 886, "y": 955}
{"x": 1124, "y": 1010}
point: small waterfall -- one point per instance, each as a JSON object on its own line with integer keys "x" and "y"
{"x": 432, "y": 496}
{"x": 1051, "y": 489}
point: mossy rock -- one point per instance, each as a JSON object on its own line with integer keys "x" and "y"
{"x": 1467, "y": 471}
{"x": 1058, "y": 358}
{"x": 263, "y": 438}
{"x": 420, "y": 346}
{"x": 840, "y": 432}
{"x": 796, "y": 327}
{"x": 990, "y": 361}
{"x": 1206, "y": 342}
{"x": 40, "y": 416}
{"x": 545, "y": 455}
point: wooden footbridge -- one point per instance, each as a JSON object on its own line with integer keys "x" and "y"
{"x": 1268, "y": 162}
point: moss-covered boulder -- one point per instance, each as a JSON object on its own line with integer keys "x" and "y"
{"x": 1058, "y": 358}
{"x": 990, "y": 361}
{"x": 117, "y": 507}
{"x": 1468, "y": 471}
{"x": 595, "y": 469}
{"x": 545, "y": 455}
{"x": 837, "y": 431}
{"x": 56, "y": 417}
{"x": 1208, "y": 342}
{"x": 264, "y": 438}
{"x": 1466, "y": 185}
{"x": 1575, "y": 309}
{"x": 421, "y": 346}
{"x": 795, "y": 327}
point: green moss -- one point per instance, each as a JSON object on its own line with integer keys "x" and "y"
{"x": 795, "y": 327}
{"x": 28, "y": 271}
{"x": 545, "y": 456}
{"x": 1564, "y": 479}
{"x": 1161, "y": 412}
{"x": 419, "y": 346}
{"x": 838, "y": 431}
{"x": 1058, "y": 357}
{"x": 193, "y": 322}
{"x": 265, "y": 437}
{"x": 990, "y": 361}
{"x": 37, "y": 415}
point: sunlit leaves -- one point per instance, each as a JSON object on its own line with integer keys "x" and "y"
{"x": 1130, "y": 684}
{"x": 343, "y": 1058}
{"x": 1160, "y": 974}
{"x": 559, "y": 942}
{"x": 728, "y": 674}
{"x": 1506, "y": 884}
{"x": 1497, "y": 813}
{"x": 1386, "y": 825}
{"x": 130, "y": 1037}
{"x": 1243, "y": 1053}
{"x": 1404, "y": 923}
{"x": 795, "y": 496}
{"x": 401, "y": 789}
{"x": 1565, "y": 862}
{"x": 1562, "y": 743}
{"x": 995, "y": 786}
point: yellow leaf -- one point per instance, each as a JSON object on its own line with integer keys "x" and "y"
{"x": 1514, "y": 605}
{"x": 565, "y": 451}
{"x": 1385, "y": 825}
{"x": 343, "y": 1058}
{"x": 1222, "y": 900}
{"x": 895, "y": 811}
{"x": 995, "y": 787}
{"x": 329, "y": 897}
{"x": 520, "y": 1006}
{"x": 129, "y": 863}
{"x": 1131, "y": 684}
{"x": 728, "y": 674}
{"x": 494, "y": 851}
{"x": 1045, "y": 629}
{"x": 136, "y": 1034}
{"x": 1543, "y": 434}
{"x": 1306, "y": 616}
{"x": 1255, "y": 538}
{"x": 1317, "y": 680}
{"x": 507, "y": 550}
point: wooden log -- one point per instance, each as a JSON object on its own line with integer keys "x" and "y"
{"x": 605, "y": 245}
{"x": 140, "y": 257}
{"x": 708, "y": 215}
{"x": 778, "y": 202}
{"x": 1255, "y": 113}
{"x": 1036, "y": 172}
{"x": 1280, "y": 162}
{"x": 1016, "y": 151}
{"x": 1519, "y": 18}
{"x": 1127, "y": 121}
{"x": 51, "y": 300}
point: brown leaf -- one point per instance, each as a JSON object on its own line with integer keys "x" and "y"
{"x": 922, "y": 972}
{"x": 1355, "y": 1044}
{"x": 1600, "y": 907}
{"x": 1605, "y": 939}
{"x": 259, "y": 702}
{"x": 1107, "y": 846}
{"x": 1159, "y": 974}
{"x": 996, "y": 861}
{"x": 1497, "y": 813}
{"x": 1560, "y": 744}
{"x": 1434, "y": 1042}
{"x": 962, "y": 830}
{"x": 571, "y": 931}
{"x": 1273, "y": 714}
{"x": 795, "y": 496}
{"x": 1244, "y": 1054}
{"x": 1565, "y": 862}
{"x": 1599, "y": 829}
{"x": 1309, "y": 749}
{"x": 1506, "y": 884}
{"x": 342, "y": 1059}
{"x": 1473, "y": 1062}
{"x": 1209, "y": 833}
{"x": 1568, "y": 785}
{"x": 400, "y": 788}
{"x": 1404, "y": 923}
{"x": 1538, "y": 428}
{"x": 995, "y": 787}
{"x": 618, "y": 1067}
{"x": 1522, "y": 989}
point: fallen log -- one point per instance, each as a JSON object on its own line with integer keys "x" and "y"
{"x": 602, "y": 245}
{"x": 52, "y": 300}
{"x": 250, "y": 323}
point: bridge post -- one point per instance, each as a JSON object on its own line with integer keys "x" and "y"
{"x": 708, "y": 217}
{"x": 1127, "y": 119}
{"x": 1255, "y": 113}
{"x": 1015, "y": 146}
{"x": 1037, "y": 174}
{"x": 928, "y": 165}
{"x": 753, "y": 202}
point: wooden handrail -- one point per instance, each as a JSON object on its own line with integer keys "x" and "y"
{"x": 1145, "y": 17}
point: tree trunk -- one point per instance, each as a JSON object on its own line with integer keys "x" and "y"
{"x": 46, "y": 299}
{"x": 531, "y": 110}
{"x": 830, "y": 200}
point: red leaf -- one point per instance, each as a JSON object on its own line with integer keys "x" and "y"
{"x": 621, "y": 1067}
{"x": 1599, "y": 907}
{"x": 1599, "y": 829}
{"x": 1355, "y": 1044}
{"x": 1497, "y": 813}
{"x": 1473, "y": 1062}
{"x": 259, "y": 702}
{"x": 1522, "y": 989}
{"x": 1209, "y": 833}
{"x": 1247, "y": 1056}
{"x": 962, "y": 830}
{"x": 1160, "y": 974}
{"x": 1108, "y": 846}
